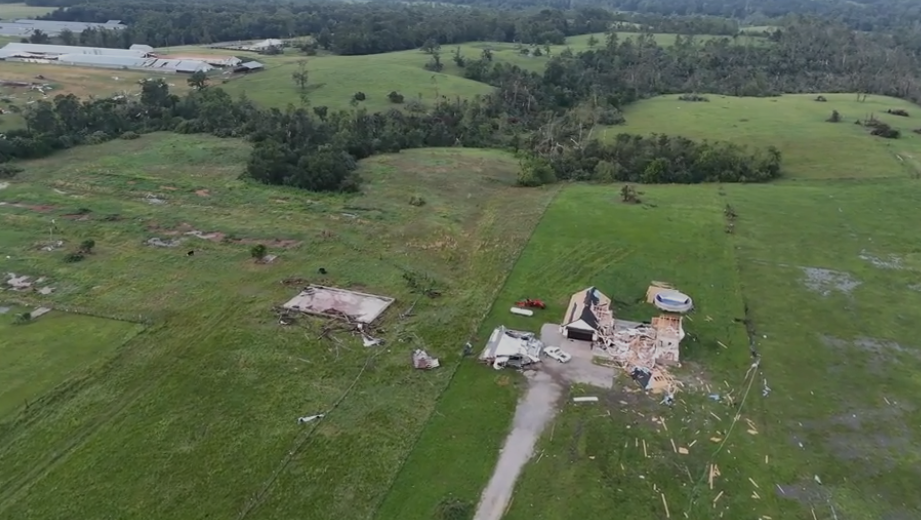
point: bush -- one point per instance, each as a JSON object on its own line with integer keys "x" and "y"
{"x": 359, "y": 96}
{"x": 416, "y": 106}
{"x": 835, "y": 117}
{"x": 821, "y": 99}
{"x": 693, "y": 98}
{"x": 8, "y": 171}
{"x": 897, "y": 112}
{"x": 87, "y": 246}
{"x": 416, "y": 201}
{"x": 128, "y": 136}
{"x": 22, "y": 319}
{"x": 395, "y": 97}
{"x": 258, "y": 251}
{"x": 71, "y": 258}
{"x": 609, "y": 116}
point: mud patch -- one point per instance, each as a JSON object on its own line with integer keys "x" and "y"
{"x": 39, "y": 208}
{"x": 275, "y": 242}
{"x": 825, "y": 281}
{"x": 889, "y": 262}
{"x": 203, "y": 193}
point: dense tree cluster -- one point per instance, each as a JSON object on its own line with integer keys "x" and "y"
{"x": 318, "y": 149}
{"x": 342, "y": 27}
{"x": 862, "y": 15}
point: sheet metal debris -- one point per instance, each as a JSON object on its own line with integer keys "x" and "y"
{"x": 423, "y": 361}
{"x": 308, "y": 418}
{"x": 586, "y": 399}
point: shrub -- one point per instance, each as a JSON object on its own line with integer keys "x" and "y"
{"x": 129, "y": 135}
{"x": 71, "y": 258}
{"x": 87, "y": 246}
{"x": 609, "y": 116}
{"x": 22, "y": 319}
{"x": 258, "y": 251}
{"x": 416, "y": 201}
{"x": 897, "y": 112}
{"x": 821, "y": 99}
{"x": 8, "y": 171}
{"x": 395, "y": 97}
{"x": 693, "y": 98}
{"x": 835, "y": 117}
{"x": 359, "y": 96}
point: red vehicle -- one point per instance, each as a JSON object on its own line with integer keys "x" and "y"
{"x": 529, "y": 303}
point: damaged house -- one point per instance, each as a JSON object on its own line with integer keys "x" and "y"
{"x": 511, "y": 348}
{"x": 589, "y": 311}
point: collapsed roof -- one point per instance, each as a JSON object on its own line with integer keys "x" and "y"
{"x": 506, "y": 343}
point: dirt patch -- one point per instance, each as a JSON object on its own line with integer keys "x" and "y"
{"x": 76, "y": 216}
{"x": 532, "y": 415}
{"x": 825, "y": 281}
{"x": 889, "y": 262}
{"x": 39, "y": 208}
{"x": 214, "y": 236}
{"x": 203, "y": 193}
{"x": 275, "y": 242}
{"x": 157, "y": 242}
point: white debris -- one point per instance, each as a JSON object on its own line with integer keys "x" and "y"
{"x": 586, "y": 399}
{"x": 423, "y": 361}
{"x": 309, "y": 418}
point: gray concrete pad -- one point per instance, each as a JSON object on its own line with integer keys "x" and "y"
{"x": 581, "y": 368}
{"x": 328, "y": 301}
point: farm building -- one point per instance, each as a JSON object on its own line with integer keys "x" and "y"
{"x": 511, "y": 348}
{"x": 588, "y": 312}
{"x": 34, "y": 50}
{"x": 138, "y": 57}
{"x": 25, "y": 27}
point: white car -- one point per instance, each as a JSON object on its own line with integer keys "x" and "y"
{"x": 557, "y": 354}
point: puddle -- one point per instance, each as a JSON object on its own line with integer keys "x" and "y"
{"x": 825, "y": 281}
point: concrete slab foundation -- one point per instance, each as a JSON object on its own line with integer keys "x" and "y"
{"x": 332, "y": 302}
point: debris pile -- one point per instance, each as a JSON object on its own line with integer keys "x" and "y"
{"x": 511, "y": 348}
{"x": 643, "y": 350}
{"x": 423, "y": 361}
{"x": 25, "y": 283}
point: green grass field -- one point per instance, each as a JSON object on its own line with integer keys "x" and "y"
{"x": 841, "y": 361}
{"x": 196, "y": 415}
{"x": 45, "y": 354}
{"x": 812, "y": 148}
{"x": 15, "y": 11}
{"x": 203, "y": 405}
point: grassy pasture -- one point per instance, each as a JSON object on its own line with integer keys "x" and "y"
{"x": 841, "y": 361}
{"x": 812, "y": 148}
{"x": 15, "y": 11}
{"x": 336, "y": 78}
{"x": 45, "y": 354}
{"x": 201, "y": 408}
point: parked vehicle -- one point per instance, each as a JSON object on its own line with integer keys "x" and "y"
{"x": 558, "y": 354}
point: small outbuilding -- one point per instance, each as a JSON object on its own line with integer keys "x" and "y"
{"x": 588, "y": 312}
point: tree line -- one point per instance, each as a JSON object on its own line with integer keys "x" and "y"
{"x": 318, "y": 149}
{"x": 353, "y": 28}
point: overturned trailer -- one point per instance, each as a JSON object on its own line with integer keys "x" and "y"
{"x": 511, "y": 348}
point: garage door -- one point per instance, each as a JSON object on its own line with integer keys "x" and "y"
{"x": 583, "y": 335}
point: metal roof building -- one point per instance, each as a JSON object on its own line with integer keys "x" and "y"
{"x": 25, "y": 27}
{"x": 129, "y": 62}
{"x": 39, "y": 50}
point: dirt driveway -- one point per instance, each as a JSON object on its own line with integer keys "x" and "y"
{"x": 535, "y": 410}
